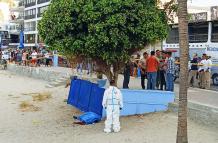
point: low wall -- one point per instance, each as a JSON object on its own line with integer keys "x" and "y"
{"x": 39, "y": 73}
{"x": 203, "y": 114}
{"x": 87, "y": 97}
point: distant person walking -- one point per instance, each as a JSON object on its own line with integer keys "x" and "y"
{"x": 152, "y": 64}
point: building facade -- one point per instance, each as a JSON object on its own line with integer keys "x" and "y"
{"x": 32, "y": 15}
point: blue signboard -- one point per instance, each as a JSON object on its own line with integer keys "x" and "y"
{"x": 21, "y": 40}
{"x": 212, "y": 48}
{"x": 0, "y": 40}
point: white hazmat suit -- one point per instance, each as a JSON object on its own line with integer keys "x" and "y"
{"x": 113, "y": 103}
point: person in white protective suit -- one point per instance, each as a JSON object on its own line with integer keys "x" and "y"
{"x": 113, "y": 103}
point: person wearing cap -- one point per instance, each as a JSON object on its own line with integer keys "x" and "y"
{"x": 112, "y": 103}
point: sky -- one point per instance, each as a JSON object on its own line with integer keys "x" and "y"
{"x": 203, "y": 3}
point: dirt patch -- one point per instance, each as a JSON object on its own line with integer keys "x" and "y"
{"x": 39, "y": 96}
{"x": 26, "y": 106}
{"x": 42, "y": 96}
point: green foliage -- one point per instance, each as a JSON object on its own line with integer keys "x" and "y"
{"x": 107, "y": 30}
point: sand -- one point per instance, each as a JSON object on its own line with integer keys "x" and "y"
{"x": 53, "y": 123}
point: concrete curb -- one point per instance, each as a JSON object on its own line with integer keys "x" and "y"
{"x": 37, "y": 72}
{"x": 203, "y": 114}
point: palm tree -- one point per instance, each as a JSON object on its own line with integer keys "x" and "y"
{"x": 182, "y": 135}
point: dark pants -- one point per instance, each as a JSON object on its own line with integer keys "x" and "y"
{"x": 126, "y": 80}
{"x": 170, "y": 81}
{"x": 152, "y": 77}
{"x": 158, "y": 80}
{"x": 162, "y": 80}
{"x": 143, "y": 77}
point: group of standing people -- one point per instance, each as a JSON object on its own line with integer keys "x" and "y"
{"x": 159, "y": 69}
{"x": 200, "y": 71}
{"x": 30, "y": 57}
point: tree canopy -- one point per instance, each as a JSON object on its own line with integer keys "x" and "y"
{"x": 108, "y": 31}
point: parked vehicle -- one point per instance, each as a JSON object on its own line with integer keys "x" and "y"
{"x": 214, "y": 75}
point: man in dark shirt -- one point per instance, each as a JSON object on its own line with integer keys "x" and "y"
{"x": 193, "y": 71}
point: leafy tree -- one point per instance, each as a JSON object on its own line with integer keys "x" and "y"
{"x": 107, "y": 31}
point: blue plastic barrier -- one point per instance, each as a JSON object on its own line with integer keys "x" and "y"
{"x": 145, "y": 101}
{"x": 88, "y": 96}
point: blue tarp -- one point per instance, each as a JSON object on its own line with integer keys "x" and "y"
{"x": 88, "y": 96}
{"x": 89, "y": 118}
{"x": 21, "y": 40}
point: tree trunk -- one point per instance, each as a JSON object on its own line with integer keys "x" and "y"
{"x": 112, "y": 76}
{"x": 182, "y": 136}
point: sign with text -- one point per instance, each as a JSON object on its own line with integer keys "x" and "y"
{"x": 198, "y": 17}
{"x": 214, "y": 13}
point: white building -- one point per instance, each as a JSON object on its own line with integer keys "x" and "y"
{"x": 32, "y": 14}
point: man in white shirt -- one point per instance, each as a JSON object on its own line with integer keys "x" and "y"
{"x": 34, "y": 58}
{"x": 208, "y": 72}
{"x": 201, "y": 70}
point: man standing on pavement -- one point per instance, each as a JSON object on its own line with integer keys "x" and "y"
{"x": 170, "y": 72}
{"x": 208, "y": 72}
{"x": 201, "y": 70}
{"x": 142, "y": 66}
{"x": 158, "y": 56}
{"x": 126, "y": 75}
{"x": 163, "y": 71}
{"x": 194, "y": 70}
{"x": 152, "y": 65}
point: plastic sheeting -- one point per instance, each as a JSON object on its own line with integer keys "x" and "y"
{"x": 87, "y": 97}
{"x": 145, "y": 101}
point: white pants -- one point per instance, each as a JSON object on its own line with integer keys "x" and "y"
{"x": 112, "y": 120}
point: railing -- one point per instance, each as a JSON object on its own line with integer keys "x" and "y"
{"x": 173, "y": 40}
{"x": 20, "y": 17}
{"x": 39, "y": 14}
{"x": 30, "y": 41}
{"x": 21, "y": 3}
{"x": 198, "y": 38}
{"x": 214, "y": 37}
{"x": 30, "y": 4}
{"x": 42, "y": 1}
{"x": 30, "y": 17}
{"x": 30, "y": 28}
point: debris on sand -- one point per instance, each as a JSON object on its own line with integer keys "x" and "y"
{"x": 41, "y": 96}
{"x": 25, "y": 106}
